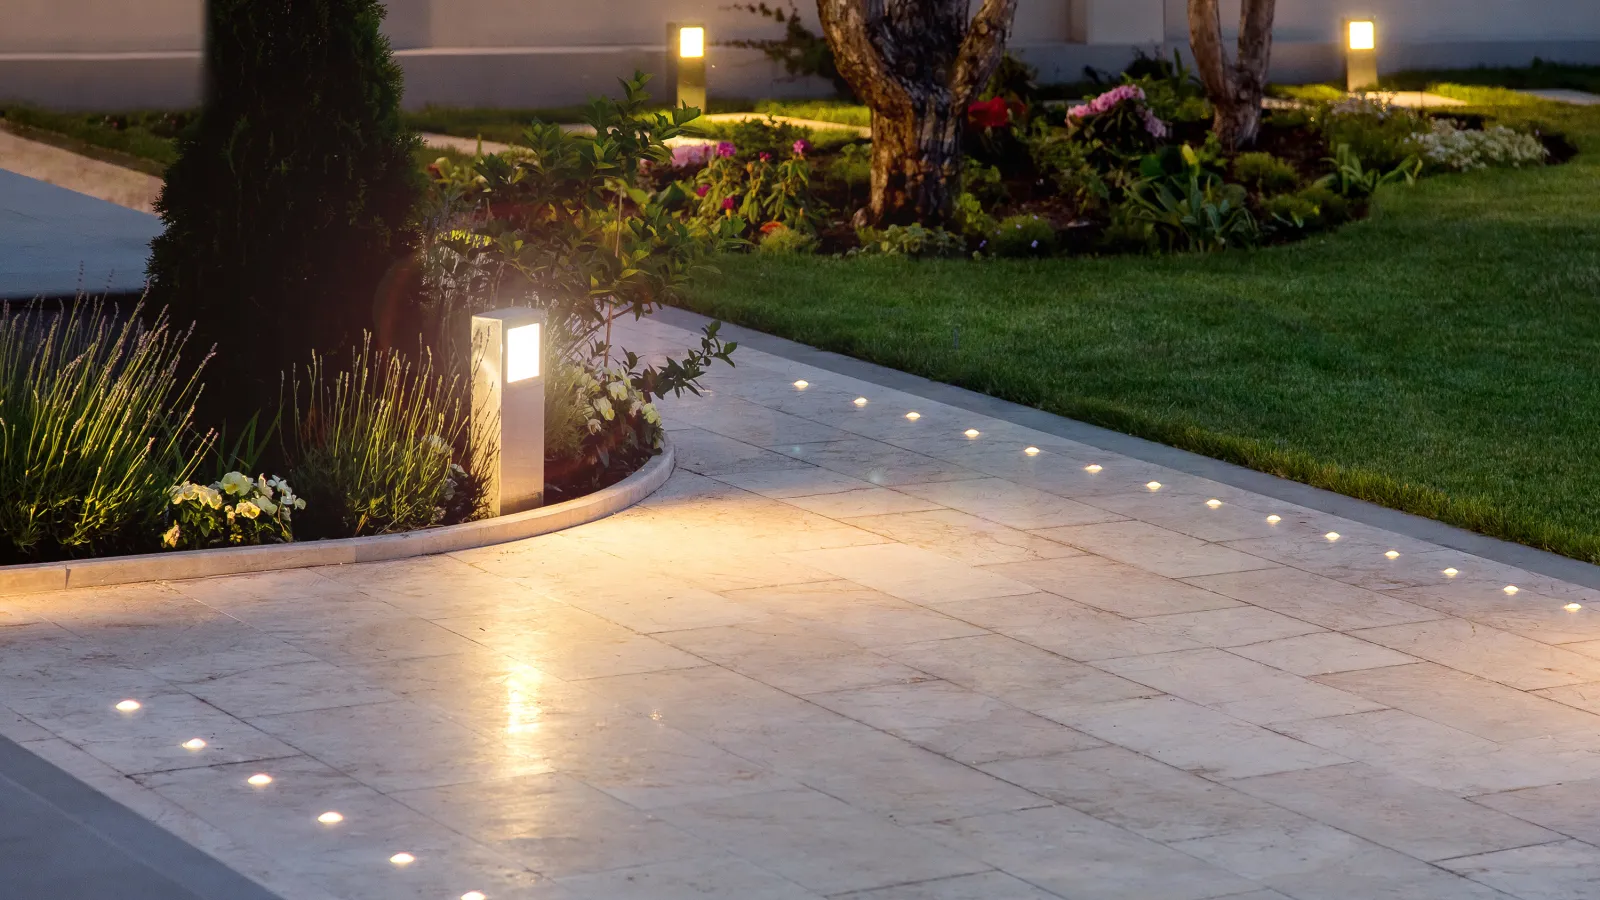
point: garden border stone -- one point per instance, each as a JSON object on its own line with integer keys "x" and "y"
{"x": 31, "y": 578}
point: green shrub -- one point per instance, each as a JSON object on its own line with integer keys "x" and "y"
{"x": 374, "y": 446}
{"x": 1290, "y": 212}
{"x": 753, "y": 137}
{"x": 234, "y": 510}
{"x": 787, "y": 242}
{"x": 971, "y": 219}
{"x": 1352, "y": 178}
{"x": 913, "y": 240}
{"x": 1378, "y": 133}
{"x": 1067, "y": 163}
{"x": 1022, "y": 236}
{"x": 1331, "y": 208}
{"x": 983, "y": 182}
{"x": 94, "y": 430}
{"x": 1266, "y": 173}
{"x": 755, "y": 191}
{"x": 1194, "y": 215}
{"x": 566, "y": 411}
{"x": 292, "y": 194}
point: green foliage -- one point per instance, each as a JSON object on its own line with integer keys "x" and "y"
{"x": 94, "y": 428}
{"x": 1266, "y": 173}
{"x": 293, "y": 192}
{"x": 1332, "y": 208}
{"x": 802, "y": 52}
{"x": 753, "y": 137}
{"x": 233, "y": 510}
{"x": 374, "y": 446}
{"x": 1068, "y": 164}
{"x": 841, "y": 112}
{"x": 1376, "y": 132}
{"x": 984, "y": 182}
{"x": 787, "y": 242}
{"x": 1291, "y": 212}
{"x": 1194, "y": 215}
{"x": 913, "y": 240}
{"x": 1351, "y": 178}
{"x": 970, "y": 218}
{"x": 754, "y": 192}
{"x": 566, "y": 411}
{"x": 1022, "y": 236}
{"x": 141, "y": 139}
{"x": 1308, "y": 93}
{"x": 852, "y": 165}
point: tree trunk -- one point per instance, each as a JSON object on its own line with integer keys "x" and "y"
{"x": 917, "y": 64}
{"x": 1234, "y": 90}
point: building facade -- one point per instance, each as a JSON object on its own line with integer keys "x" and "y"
{"x": 115, "y": 54}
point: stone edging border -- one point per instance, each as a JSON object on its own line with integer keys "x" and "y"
{"x": 33, "y": 578}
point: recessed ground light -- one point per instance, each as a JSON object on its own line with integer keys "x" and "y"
{"x": 913, "y": 415}
{"x": 1273, "y": 520}
{"x": 802, "y": 384}
{"x": 1031, "y": 451}
{"x": 402, "y": 859}
{"x": 1153, "y": 485}
{"x": 861, "y": 401}
{"x": 1213, "y": 503}
{"x": 1451, "y": 572}
{"x": 194, "y": 744}
{"x": 330, "y": 818}
{"x": 971, "y": 432}
{"x": 128, "y": 706}
{"x": 260, "y": 779}
{"x": 1573, "y": 607}
{"x": 1333, "y": 535}
{"x": 1510, "y": 589}
{"x": 474, "y": 895}
{"x": 1393, "y": 554}
{"x": 1092, "y": 468}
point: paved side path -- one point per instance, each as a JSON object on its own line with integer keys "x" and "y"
{"x": 57, "y": 242}
{"x": 853, "y": 652}
{"x": 63, "y": 168}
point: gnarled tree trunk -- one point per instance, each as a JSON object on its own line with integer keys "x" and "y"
{"x": 917, "y": 64}
{"x": 1234, "y": 89}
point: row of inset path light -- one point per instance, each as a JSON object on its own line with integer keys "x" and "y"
{"x": 1213, "y": 503}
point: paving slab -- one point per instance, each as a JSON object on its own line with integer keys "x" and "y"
{"x": 59, "y": 242}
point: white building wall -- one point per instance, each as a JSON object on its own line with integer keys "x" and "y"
{"x": 119, "y": 53}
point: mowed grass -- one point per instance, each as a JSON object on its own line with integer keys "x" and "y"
{"x": 1441, "y": 357}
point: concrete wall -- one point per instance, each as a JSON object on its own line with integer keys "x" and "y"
{"x": 101, "y": 54}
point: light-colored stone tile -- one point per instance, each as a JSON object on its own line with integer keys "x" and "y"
{"x": 570, "y": 643}
{"x": 294, "y": 687}
{"x": 1010, "y": 504}
{"x": 912, "y": 573}
{"x": 819, "y": 842}
{"x": 1194, "y": 738}
{"x": 1548, "y": 621}
{"x": 1016, "y": 673}
{"x": 1155, "y": 549}
{"x": 1488, "y": 653}
{"x": 1579, "y": 696}
{"x": 782, "y": 484}
{"x": 1114, "y": 587}
{"x": 1318, "y": 600}
{"x": 1567, "y": 806}
{"x": 1138, "y": 793}
{"x": 1569, "y": 870}
{"x": 1322, "y": 654}
{"x": 705, "y": 453}
{"x": 1241, "y": 688}
{"x": 962, "y": 537}
{"x": 719, "y": 877}
{"x": 849, "y": 612}
{"x": 1189, "y": 514}
{"x": 1395, "y": 812}
{"x": 955, "y": 722}
{"x": 1067, "y": 628}
{"x": 1463, "y": 701}
{"x": 867, "y": 501}
{"x": 792, "y": 657}
{"x": 1074, "y": 855}
{"x": 1231, "y": 627}
{"x": 983, "y": 886}
{"x": 876, "y": 462}
{"x": 1321, "y": 863}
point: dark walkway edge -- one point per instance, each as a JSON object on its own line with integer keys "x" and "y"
{"x": 62, "y": 838}
{"x": 1541, "y": 562}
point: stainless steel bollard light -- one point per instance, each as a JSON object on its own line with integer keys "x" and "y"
{"x": 686, "y": 58}
{"x": 1361, "y": 55}
{"x": 508, "y": 405}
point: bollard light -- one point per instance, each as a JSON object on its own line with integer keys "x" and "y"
{"x": 686, "y": 58}
{"x": 508, "y": 405}
{"x": 1360, "y": 54}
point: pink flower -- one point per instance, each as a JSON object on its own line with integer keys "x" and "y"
{"x": 727, "y": 203}
{"x": 1079, "y": 111}
{"x": 702, "y": 190}
{"x": 765, "y": 156}
{"x": 725, "y": 149}
{"x": 801, "y": 146}
{"x": 687, "y": 156}
{"x": 1153, "y": 125}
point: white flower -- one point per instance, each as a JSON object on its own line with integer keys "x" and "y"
{"x": 650, "y": 414}
{"x": 247, "y": 509}
{"x": 437, "y": 444}
{"x": 618, "y": 389}
{"x": 236, "y": 483}
{"x": 210, "y": 496}
{"x": 267, "y": 506}
{"x": 594, "y": 426}
{"x": 182, "y": 492}
{"x": 603, "y": 407}
{"x": 170, "y": 539}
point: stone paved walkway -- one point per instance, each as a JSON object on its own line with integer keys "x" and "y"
{"x": 853, "y": 652}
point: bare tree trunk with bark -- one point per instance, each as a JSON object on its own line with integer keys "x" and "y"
{"x": 1235, "y": 90}
{"x": 917, "y": 64}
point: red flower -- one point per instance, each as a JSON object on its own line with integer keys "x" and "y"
{"x": 727, "y": 203}
{"x": 991, "y": 113}
{"x": 702, "y": 190}
{"x": 770, "y": 227}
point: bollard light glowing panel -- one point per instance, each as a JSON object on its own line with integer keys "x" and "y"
{"x": 1361, "y": 54}
{"x": 508, "y": 405}
{"x": 686, "y": 62}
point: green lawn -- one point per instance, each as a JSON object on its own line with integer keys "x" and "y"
{"x": 1439, "y": 357}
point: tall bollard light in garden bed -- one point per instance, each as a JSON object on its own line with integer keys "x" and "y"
{"x": 686, "y": 60}
{"x": 1360, "y": 55}
{"x": 508, "y": 405}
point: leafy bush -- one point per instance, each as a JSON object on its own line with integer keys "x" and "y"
{"x": 1291, "y": 212}
{"x": 784, "y": 241}
{"x": 231, "y": 510}
{"x": 1266, "y": 173}
{"x": 1351, "y": 178}
{"x": 912, "y": 240}
{"x": 1194, "y": 215}
{"x": 374, "y": 446}
{"x": 1331, "y": 207}
{"x": 756, "y": 137}
{"x": 94, "y": 428}
{"x": 1068, "y": 164}
{"x": 756, "y": 191}
{"x": 1376, "y": 132}
{"x": 1118, "y": 125}
{"x": 1460, "y": 150}
{"x": 984, "y": 182}
{"x": 1022, "y": 236}
{"x": 293, "y": 192}
{"x": 970, "y": 218}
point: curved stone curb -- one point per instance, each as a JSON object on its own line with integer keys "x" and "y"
{"x": 37, "y": 577}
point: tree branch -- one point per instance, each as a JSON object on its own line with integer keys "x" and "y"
{"x": 981, "y": 49}
{"x": 1255, "y": 45}
{"x": 851, "y": 27}
{"x": 1205, "y": 40}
